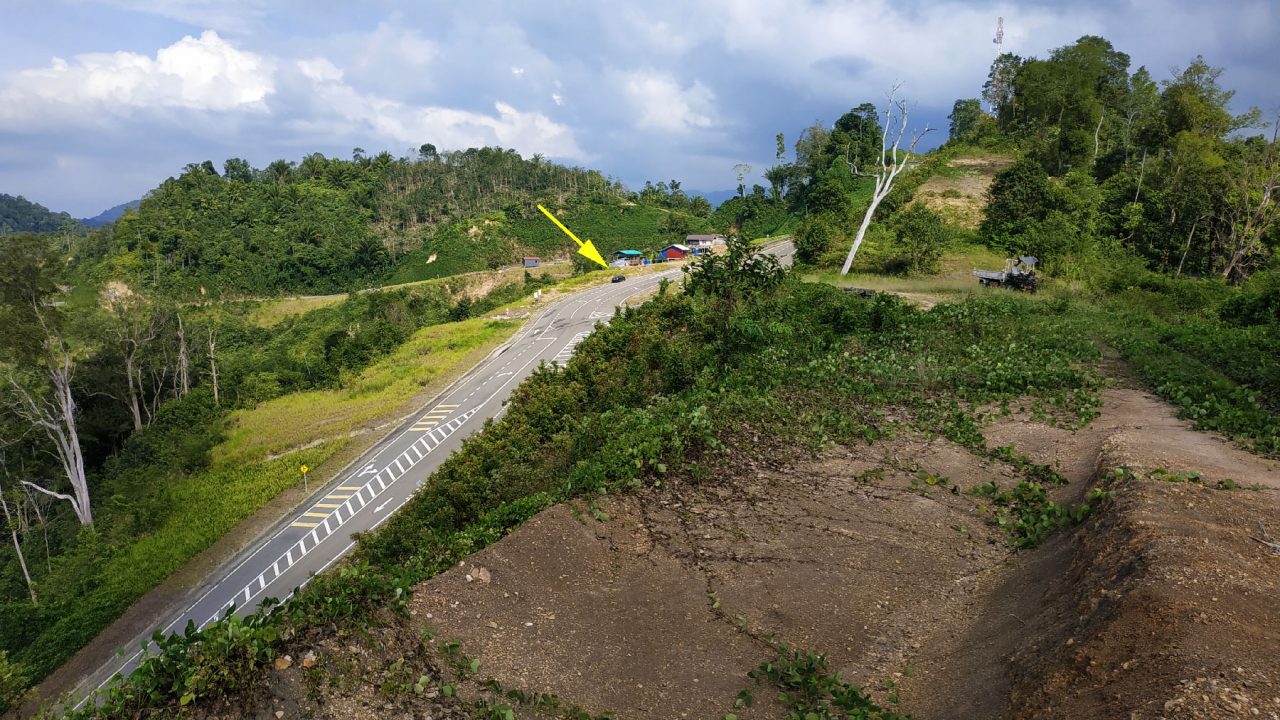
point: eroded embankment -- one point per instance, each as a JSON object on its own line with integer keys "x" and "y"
{"x": 658, "y": 604}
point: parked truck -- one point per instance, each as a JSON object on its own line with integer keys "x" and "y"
{"x": 1019, "y": 274}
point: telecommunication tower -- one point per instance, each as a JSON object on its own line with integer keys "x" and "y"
{"x": 997, "y": 82}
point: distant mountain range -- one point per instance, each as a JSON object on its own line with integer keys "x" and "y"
{"x": 110, "y": 215}
{"x": 715, "y": 197}
{"x": 18, "y": 215}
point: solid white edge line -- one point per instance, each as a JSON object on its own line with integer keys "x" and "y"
{"x": 387, "y": 443}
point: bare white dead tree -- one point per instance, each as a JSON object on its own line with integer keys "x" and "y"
{"x": 213, "y": 363}
{"x": 53, "y": 410}
{"x": 891, "y": 165}
{"x": 184, "y": 361}
{"x": 742, "y": 170}
{"x": 137, "y": 324}
{"x": 159, "y": 373}
{"x": 10, "y": 523}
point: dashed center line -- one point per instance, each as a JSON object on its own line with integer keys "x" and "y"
{"x": 336, "y": 519}
{"x": 436, "y": 428}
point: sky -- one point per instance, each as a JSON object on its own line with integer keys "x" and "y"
{"x": 101, "y": 100}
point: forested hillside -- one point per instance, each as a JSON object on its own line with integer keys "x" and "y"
{"x": 110, "y": 215}
{"x": 329, "y": 225}
{"x": 1152, "y": 193}
{"x": 1113, "y": 166}
{"x": 1163, "y": 169}
{"x": 18, "y": 214}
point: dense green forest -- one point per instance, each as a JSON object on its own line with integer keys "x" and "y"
{"x": 330, "y": 225}
{"x": 1112, "y": 165}
{"x": 1166, "y": 171}
{"x": 18, "y": 214}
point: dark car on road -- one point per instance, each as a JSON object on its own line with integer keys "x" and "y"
{"x": 618, "y": 278}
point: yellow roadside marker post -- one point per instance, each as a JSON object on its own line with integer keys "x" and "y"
{"x": 304, "y": 470}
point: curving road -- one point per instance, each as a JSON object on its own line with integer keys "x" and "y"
{"x": 386, "y": 476}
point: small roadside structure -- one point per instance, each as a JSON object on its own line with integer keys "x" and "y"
{"x": 627, "y": 257}
{"x": 531, "y": 261}
{"x": 703, "y": 244}
{"x": 675, "y": 252}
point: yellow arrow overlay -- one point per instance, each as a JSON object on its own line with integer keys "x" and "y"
{"x": 586, "y": 249}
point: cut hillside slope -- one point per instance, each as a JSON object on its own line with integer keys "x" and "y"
{"x": 657, "y": 605}
{"x": 958, "y": 190}
{"x": 501, "y": 238}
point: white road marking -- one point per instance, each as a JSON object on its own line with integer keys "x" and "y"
{"x": 607, "y": 294}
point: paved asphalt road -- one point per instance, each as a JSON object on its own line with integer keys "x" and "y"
{"x": 375, "y": 486}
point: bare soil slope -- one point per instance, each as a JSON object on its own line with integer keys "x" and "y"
{"x": 960, "y": 195}
{"x": 1160, "y": 606}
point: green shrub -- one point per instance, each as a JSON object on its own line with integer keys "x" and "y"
{"x": 810, "y": 690}
{"x": 922, "y": 237}
{"x": 1258, "y": 302}
{"x": 817, "y": 235}
{"x": 12, "y": 682}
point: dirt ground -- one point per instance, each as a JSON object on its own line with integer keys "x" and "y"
{"x": 962, "y": 197}
{"x": 1161, "y": 605}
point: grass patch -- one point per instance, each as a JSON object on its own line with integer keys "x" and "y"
{"x": 296, "y": 420}
{"x": 1029, "y": 517}
{"x": 269, "y": 313}
{"x": 1221, "y": 375}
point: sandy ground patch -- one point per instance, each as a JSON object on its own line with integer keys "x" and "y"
{"x": 961, "y": 197}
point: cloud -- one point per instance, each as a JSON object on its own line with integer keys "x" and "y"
{"x": 205, "y": 73}
{"x": 659, "y": 103}
{"x": 659, "y": 89}
{"x": 391, "y": 44}
{"x": 344, "y": 109}
{"x": 232, "y": 15}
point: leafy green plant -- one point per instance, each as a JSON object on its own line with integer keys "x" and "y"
{"x": 1026, "y": 467}
{"x": 810, "y": 690}
{"x": 12, "y": 682}
{"x": 1028, "y": 516}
